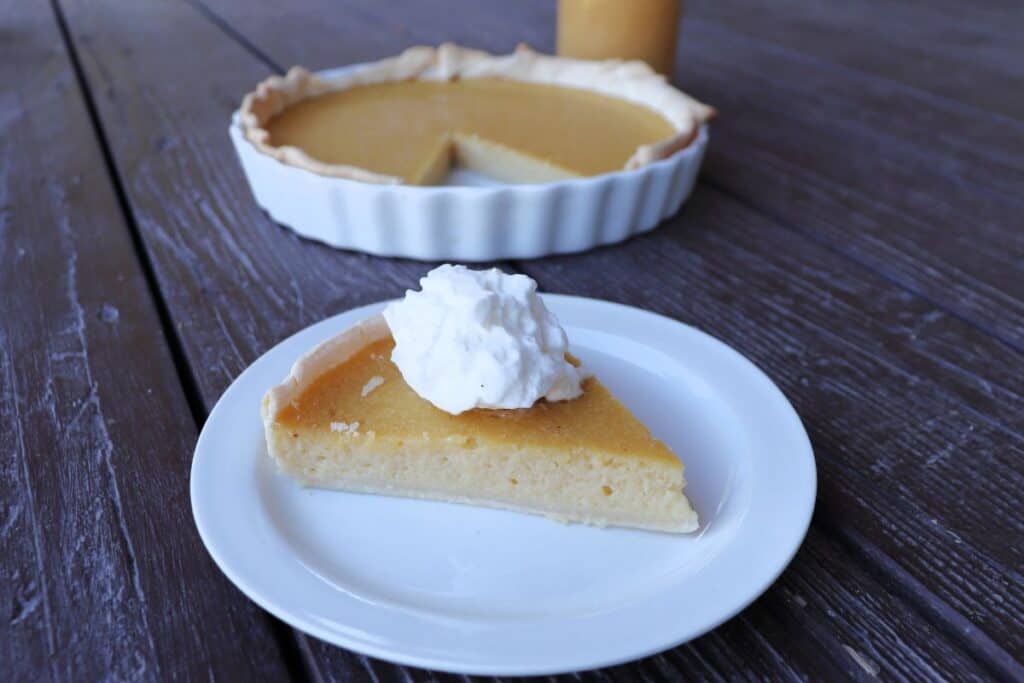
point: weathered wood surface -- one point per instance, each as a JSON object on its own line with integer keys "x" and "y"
{"x": 925, "y": 191}
{"x": 102, "y": 575}
{"x": 967, "y": 53}
{"x": 846, "y": 344}
{"x": 871, "y": 270}
{"x": 232, "y": 281}
{"x": 371, "y": 42}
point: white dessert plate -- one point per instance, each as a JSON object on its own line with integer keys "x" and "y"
{"x": 472, "y": 590}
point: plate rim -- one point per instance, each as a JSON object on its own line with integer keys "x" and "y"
{"x": 570, "y": 663}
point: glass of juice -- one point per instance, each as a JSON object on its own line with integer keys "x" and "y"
{"x": 620, "y": 29}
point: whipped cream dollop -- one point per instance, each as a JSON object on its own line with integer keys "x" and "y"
{"x": 480, "y": 339}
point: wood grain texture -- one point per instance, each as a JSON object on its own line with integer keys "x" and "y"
{"x": 794, "y": 613}
{"x": 897, "y": 392}
{"x": 968, "y": 54}
{"x": 930, "y": 183}
{"x": 873, "y": 316}
{"x": 912, "y": 186}
{"x": 900, "y": 460}
{"x": 234, "y": 281}
{"x": 208, "y": 331}
{"x": 845, "y": 160}
{"x": 102, "y": 575}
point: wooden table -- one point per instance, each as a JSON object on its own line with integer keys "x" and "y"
{"x": 858, "y": 231}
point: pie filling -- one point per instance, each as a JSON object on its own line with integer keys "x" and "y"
{"x": 360, "y": 427}
{"x": 511, "y": 130}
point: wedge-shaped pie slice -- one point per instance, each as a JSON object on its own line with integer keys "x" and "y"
{"x": 345, "y": 419}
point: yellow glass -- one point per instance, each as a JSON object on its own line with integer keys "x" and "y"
{"x": 620, "y": 29}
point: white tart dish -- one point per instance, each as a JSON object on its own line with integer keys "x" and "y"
{"x": 472, "y": 218}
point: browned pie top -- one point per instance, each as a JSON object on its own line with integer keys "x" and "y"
{"x": 395, "y": 128}
{"x": 593, "y": 423}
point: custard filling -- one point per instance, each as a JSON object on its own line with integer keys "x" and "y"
{"x": 512, "y": 130}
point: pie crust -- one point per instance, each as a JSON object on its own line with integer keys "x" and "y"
{"x": 633, "y": 81}
{"x": 345, "y": 419}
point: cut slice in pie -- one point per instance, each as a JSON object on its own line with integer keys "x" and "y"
{"x": 522, "y": 117}
{"x": 345, "y": 419}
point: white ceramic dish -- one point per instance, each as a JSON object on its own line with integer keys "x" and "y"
{"x": 475, "y": 590}
{"x": 471, "y": 218}
{"x": 481, "y": 591}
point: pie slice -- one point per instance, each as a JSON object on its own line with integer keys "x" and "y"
{"x": 519, "y": 118}
{"x": 345, "y": 419}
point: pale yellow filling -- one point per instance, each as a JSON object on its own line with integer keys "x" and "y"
{"x": 359, "y": 427}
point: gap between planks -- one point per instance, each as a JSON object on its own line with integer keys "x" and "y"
{"x": 839, "y": 251}
{"x": 888, "y": 573}
{"x": 988, "y": 653}
{"x": 824, "y": 243}
{"x": 246, "y": 44}
{"x": 290, "y": 652}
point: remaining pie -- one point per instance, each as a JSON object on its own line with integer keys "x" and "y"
{"x": 346, "y": 419}
{"x": 522, "y": 117}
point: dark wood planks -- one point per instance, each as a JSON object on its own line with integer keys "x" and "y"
{"x": 846, "y": 299}
{"x": 102, "y": 575}
{"x": 191, "y": 246}
{"x": 903, "y": 467}
{"x": 911, "y": 186}
{"x": 933, "y": 206}
{"x": 845, "y": 160}
{"x": 233, "y": 281}
{"x": 247, "y": 221}
{"x": 944, "y": 172}
{"x": 967, "y": 53}
{"x": 801, "y": 613}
